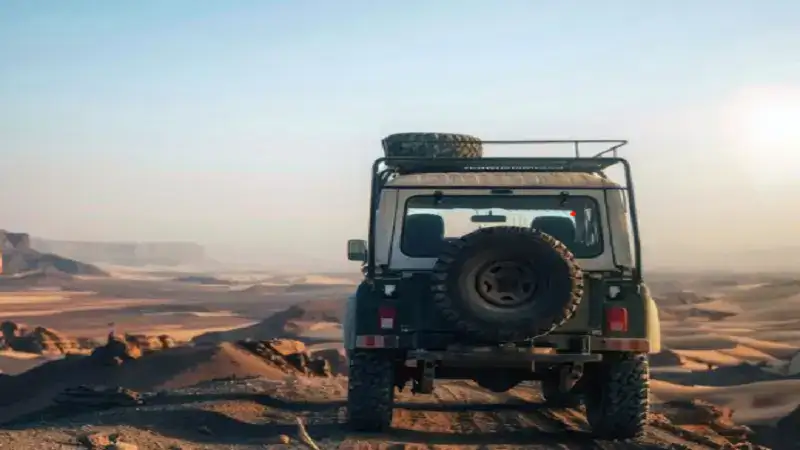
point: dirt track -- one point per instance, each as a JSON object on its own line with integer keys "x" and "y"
{"x": 249, "y": 414}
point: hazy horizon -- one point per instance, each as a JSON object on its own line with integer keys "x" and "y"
{"x": 249, "y": 127}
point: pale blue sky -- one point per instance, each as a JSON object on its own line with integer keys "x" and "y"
{"x": 252, "y": 124}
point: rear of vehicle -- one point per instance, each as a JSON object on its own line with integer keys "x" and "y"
{"x": 500, "y": 276}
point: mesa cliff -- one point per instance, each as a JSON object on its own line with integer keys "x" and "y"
{"x": 124, "y": 253}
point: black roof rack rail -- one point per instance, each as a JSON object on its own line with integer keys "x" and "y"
{"x": 412, "y": 165}
{"x": 612, "y": 144}
{"x": 576, "y": 163}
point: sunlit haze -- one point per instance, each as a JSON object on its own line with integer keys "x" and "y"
{"x": 250, "y": 126}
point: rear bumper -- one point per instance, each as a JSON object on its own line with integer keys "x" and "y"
{"x": 561, "y": 348}
{"x": 501, "y": 358}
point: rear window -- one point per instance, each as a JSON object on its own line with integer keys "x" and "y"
{"x": 574, "y": 220}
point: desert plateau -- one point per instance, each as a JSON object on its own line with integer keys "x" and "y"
{"x": 127, "y": 357}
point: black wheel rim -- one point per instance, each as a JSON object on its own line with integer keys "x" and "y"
{"x": 506, "y": 284}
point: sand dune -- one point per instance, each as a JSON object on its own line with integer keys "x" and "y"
{"x": 187, "y": 333}
{"x": 758, "y": 325}
{"x": 727, "y": 356}
{"x": 14, "y": 363}
{"x": 305, "y": 319}
{"x": 717, "y": 305}
{"x": 754, "y": 403}
{"x": 728, "y": 344}
{"x": 167, "y": 369}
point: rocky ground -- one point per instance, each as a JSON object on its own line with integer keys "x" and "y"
{"x": 258, "y": 413}
{"x": 251, "y": 394}
{"x": 731, "y": 358}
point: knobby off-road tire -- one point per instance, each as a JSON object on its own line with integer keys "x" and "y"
{"x": 370, "y": 391}
{"x": 618, "y": 399}
{"x": 432, "y": 145}
{"x": 461, "y": 272}
{"x": 554, "y": 398}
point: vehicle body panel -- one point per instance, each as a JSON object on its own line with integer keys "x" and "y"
{"x": 419, "y": 325}
{"x": 616, "y": 250}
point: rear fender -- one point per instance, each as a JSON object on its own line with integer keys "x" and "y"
{"x": 642, "y": 311}
{"x": 361, "y": 315}
{"x": 652, "y": 320}
{"x": 349, "y": 325}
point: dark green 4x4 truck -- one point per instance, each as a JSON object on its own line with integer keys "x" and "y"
{"x": 501, "y": 270}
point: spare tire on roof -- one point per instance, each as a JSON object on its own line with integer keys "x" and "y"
{"x": 432, "y": 145}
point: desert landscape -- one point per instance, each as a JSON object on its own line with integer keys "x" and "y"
{"x": 186, "y": 187}
{"x": 154, "y": 358}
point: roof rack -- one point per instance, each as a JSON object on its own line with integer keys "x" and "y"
{"x": 612, "y": 144}
{"x": 411, "y": 165}
{"x": 592, "y": 164}
{"x": 385, "y": 168}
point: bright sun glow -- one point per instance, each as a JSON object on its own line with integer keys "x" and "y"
{"x": 773, "y": 118}
{"x": 766, "y": 123}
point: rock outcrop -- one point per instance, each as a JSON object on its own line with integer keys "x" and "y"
{"x": 705, "y": 418}
{"x": 41, "y": 340}
{"x": 20, "y": 257}
{"x": 290, "y": 356}
{"x": 337, "y": 359}
{"x": 119, "y": 349}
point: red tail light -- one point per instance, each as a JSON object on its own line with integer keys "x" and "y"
{"x": 617, "y": 319}
{"x": 387, "y": 315}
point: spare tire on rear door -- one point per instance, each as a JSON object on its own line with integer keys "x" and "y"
{"x": 504, "y": 284}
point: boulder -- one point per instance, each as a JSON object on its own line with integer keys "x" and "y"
{"x": 289, "y": 355}
{"x": 286, "y": 347}
{"x": 167, "y": 341}
{"x": 11, "y": 330}
{"x": 116, "y": 351}
{"x": 144, "y": 342}
{"x": 701, "y": 413}
{"x": 319, "y": 367}
{"x": 337, "y": 359}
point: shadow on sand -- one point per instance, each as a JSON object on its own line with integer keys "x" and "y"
{"x": 324, "y": 422}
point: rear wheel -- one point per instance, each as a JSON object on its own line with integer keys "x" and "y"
{"x": 617, "y": 398}
{"x": 370, "y": 391}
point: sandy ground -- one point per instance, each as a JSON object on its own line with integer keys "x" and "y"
{"x": 731, "y": 338}
{"x": 253, "y": 413}
{"x": 755, "y": 403}
{"x": 748, "y": 346}
{"x": 152, "y": 302}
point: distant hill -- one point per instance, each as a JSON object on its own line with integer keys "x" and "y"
{"x": 19, "y": 258}
{"x": 125, "y": 253}
{"x": 767, "y": 260}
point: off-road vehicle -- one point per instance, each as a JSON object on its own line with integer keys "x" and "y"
{"x": 501, "y": 271}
